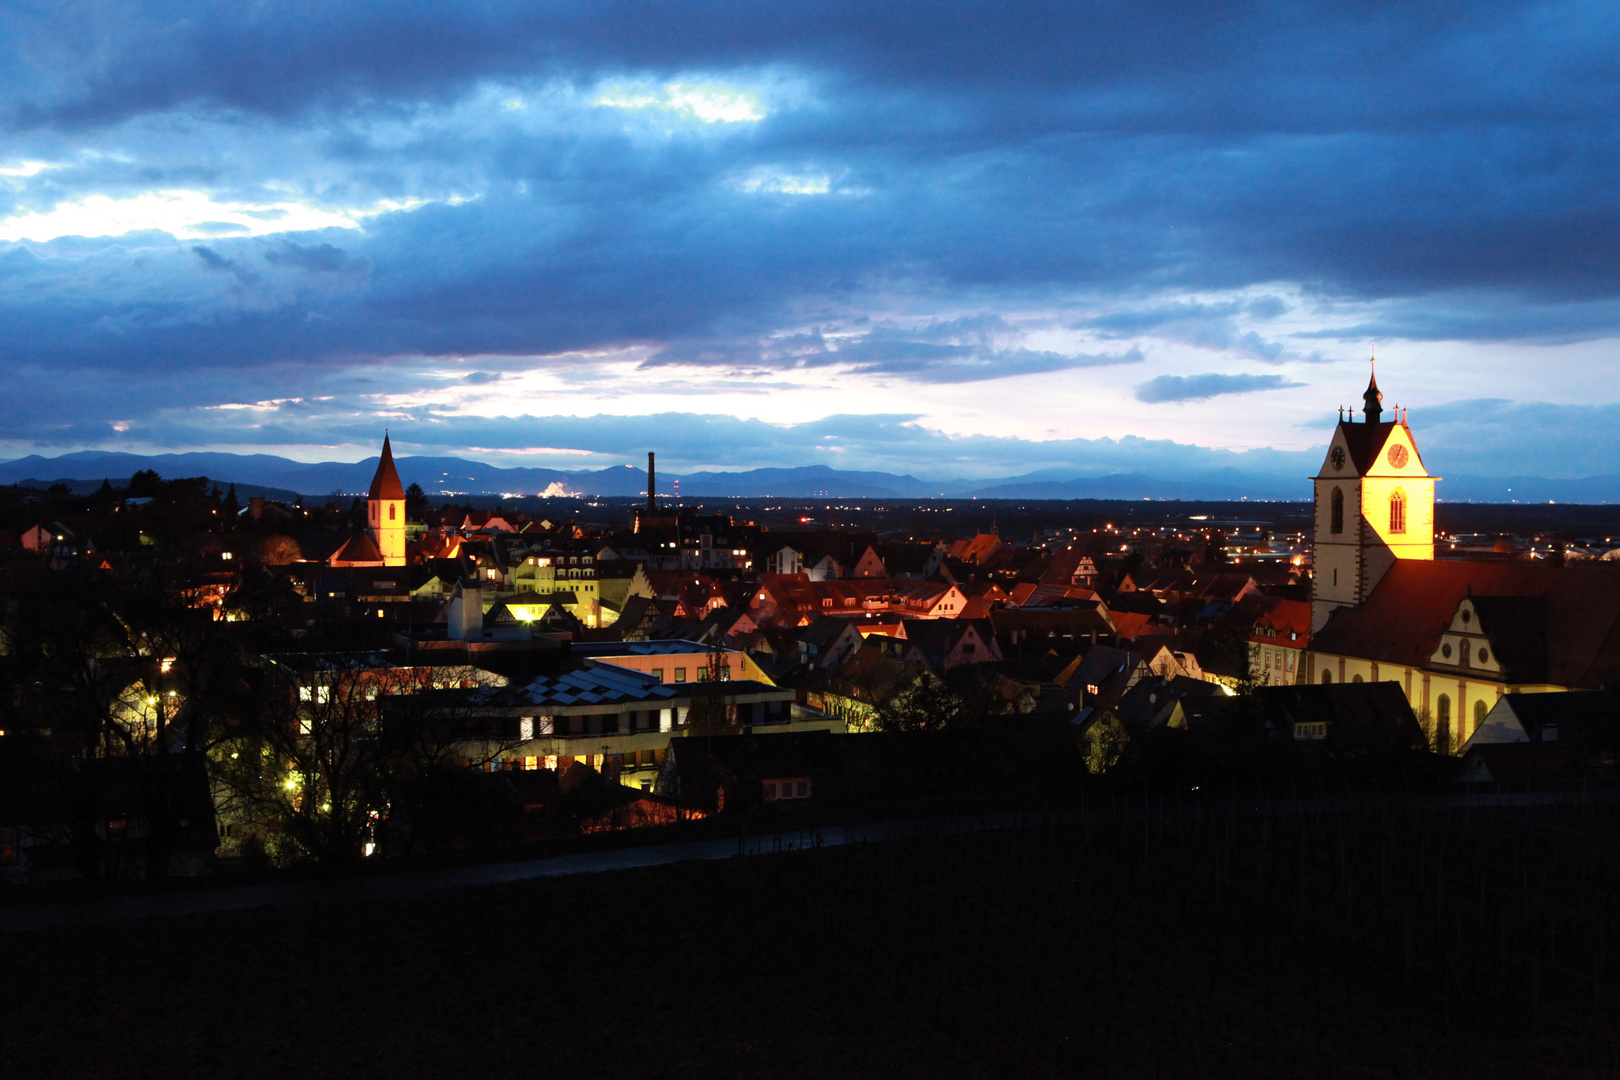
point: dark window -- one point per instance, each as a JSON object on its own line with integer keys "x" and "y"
{"x": 1336, "y": 512}
{"x": 610, "y": 724}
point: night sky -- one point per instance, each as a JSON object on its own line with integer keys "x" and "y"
{"x": 939, "y": 238}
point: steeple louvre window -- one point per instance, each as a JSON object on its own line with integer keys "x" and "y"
{"x": 1336, "y": 512}
{"x": 1397, "y": 512}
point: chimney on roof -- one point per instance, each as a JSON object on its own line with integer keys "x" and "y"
{"x": 652, "y": 481}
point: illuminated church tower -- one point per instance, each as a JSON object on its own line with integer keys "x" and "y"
{"x": 385, "y": 510}
{"x": 1374, "y": 504}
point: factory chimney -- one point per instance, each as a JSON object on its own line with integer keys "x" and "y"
{"x": 652, "y": 505}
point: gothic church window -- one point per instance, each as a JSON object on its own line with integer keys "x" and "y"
{"x": 1397, "y": 511}
{"x": 1336, "y": 522}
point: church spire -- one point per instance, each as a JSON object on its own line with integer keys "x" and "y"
{"x": 1373, "y": 400}
{"x": 386, "y": 485}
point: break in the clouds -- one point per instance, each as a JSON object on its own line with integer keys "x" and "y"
{"x": 1052, "y": 223}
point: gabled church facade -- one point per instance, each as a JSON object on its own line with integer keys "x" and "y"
{"x": 1455, "y": 634}
{"x": 1374, "y": 505}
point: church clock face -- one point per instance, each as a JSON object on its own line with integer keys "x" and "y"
{"x": 1337, "y": 457}
{"x": 1397, "y": 456}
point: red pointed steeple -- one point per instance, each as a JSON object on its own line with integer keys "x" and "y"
{"x": 386, "y": 485}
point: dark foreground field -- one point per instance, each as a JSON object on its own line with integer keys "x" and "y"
{"x": 1377, "y": 943}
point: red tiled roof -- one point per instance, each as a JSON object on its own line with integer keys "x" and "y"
{"x": 1285, "y": 617}
{"x": 359, "y": 548}
{"x": 1401, "y": 622}
{"x": 1129, "y": 624}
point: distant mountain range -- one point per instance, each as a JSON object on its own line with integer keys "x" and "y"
{"x": 445, "y": 477}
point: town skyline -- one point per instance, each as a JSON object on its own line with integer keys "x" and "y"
{"x": 974, "y": 245}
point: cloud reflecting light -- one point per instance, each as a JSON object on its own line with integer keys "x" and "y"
{"x": 186, "y": 215}
{"x": 707, "y": 102}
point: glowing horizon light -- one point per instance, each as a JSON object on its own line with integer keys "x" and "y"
{"x": 185, "y": 215}
{"x": 711, "y": 103}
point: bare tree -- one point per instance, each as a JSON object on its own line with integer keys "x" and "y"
{"x": 710, "y": 714}
{"x": 132, "y": 669}
{"x": 926, "y": 704}
{"x": 346, "y": 747}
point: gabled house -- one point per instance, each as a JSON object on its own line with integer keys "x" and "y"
{"x": 1103, "y": 674}
{"x": 942, "y": 645}
{"x": 1159, "y": 702}
{"x": 828, "y": 642}
{"x": 869, "y": 565}
{"x": 1576, "y": 717}
{"x": 1356, "y": 720}
{"x": 932, "y": 600}
{"x": 1278, "y": 642}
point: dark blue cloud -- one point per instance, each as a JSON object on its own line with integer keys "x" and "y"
{"x": 1198, "y": 387}
{"x": 970, "y": 348}
{"x": 1450, "y": 166}
{"x": 315, "y": 258}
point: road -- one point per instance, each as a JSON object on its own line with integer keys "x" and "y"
{"x": 40, "y": 915}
